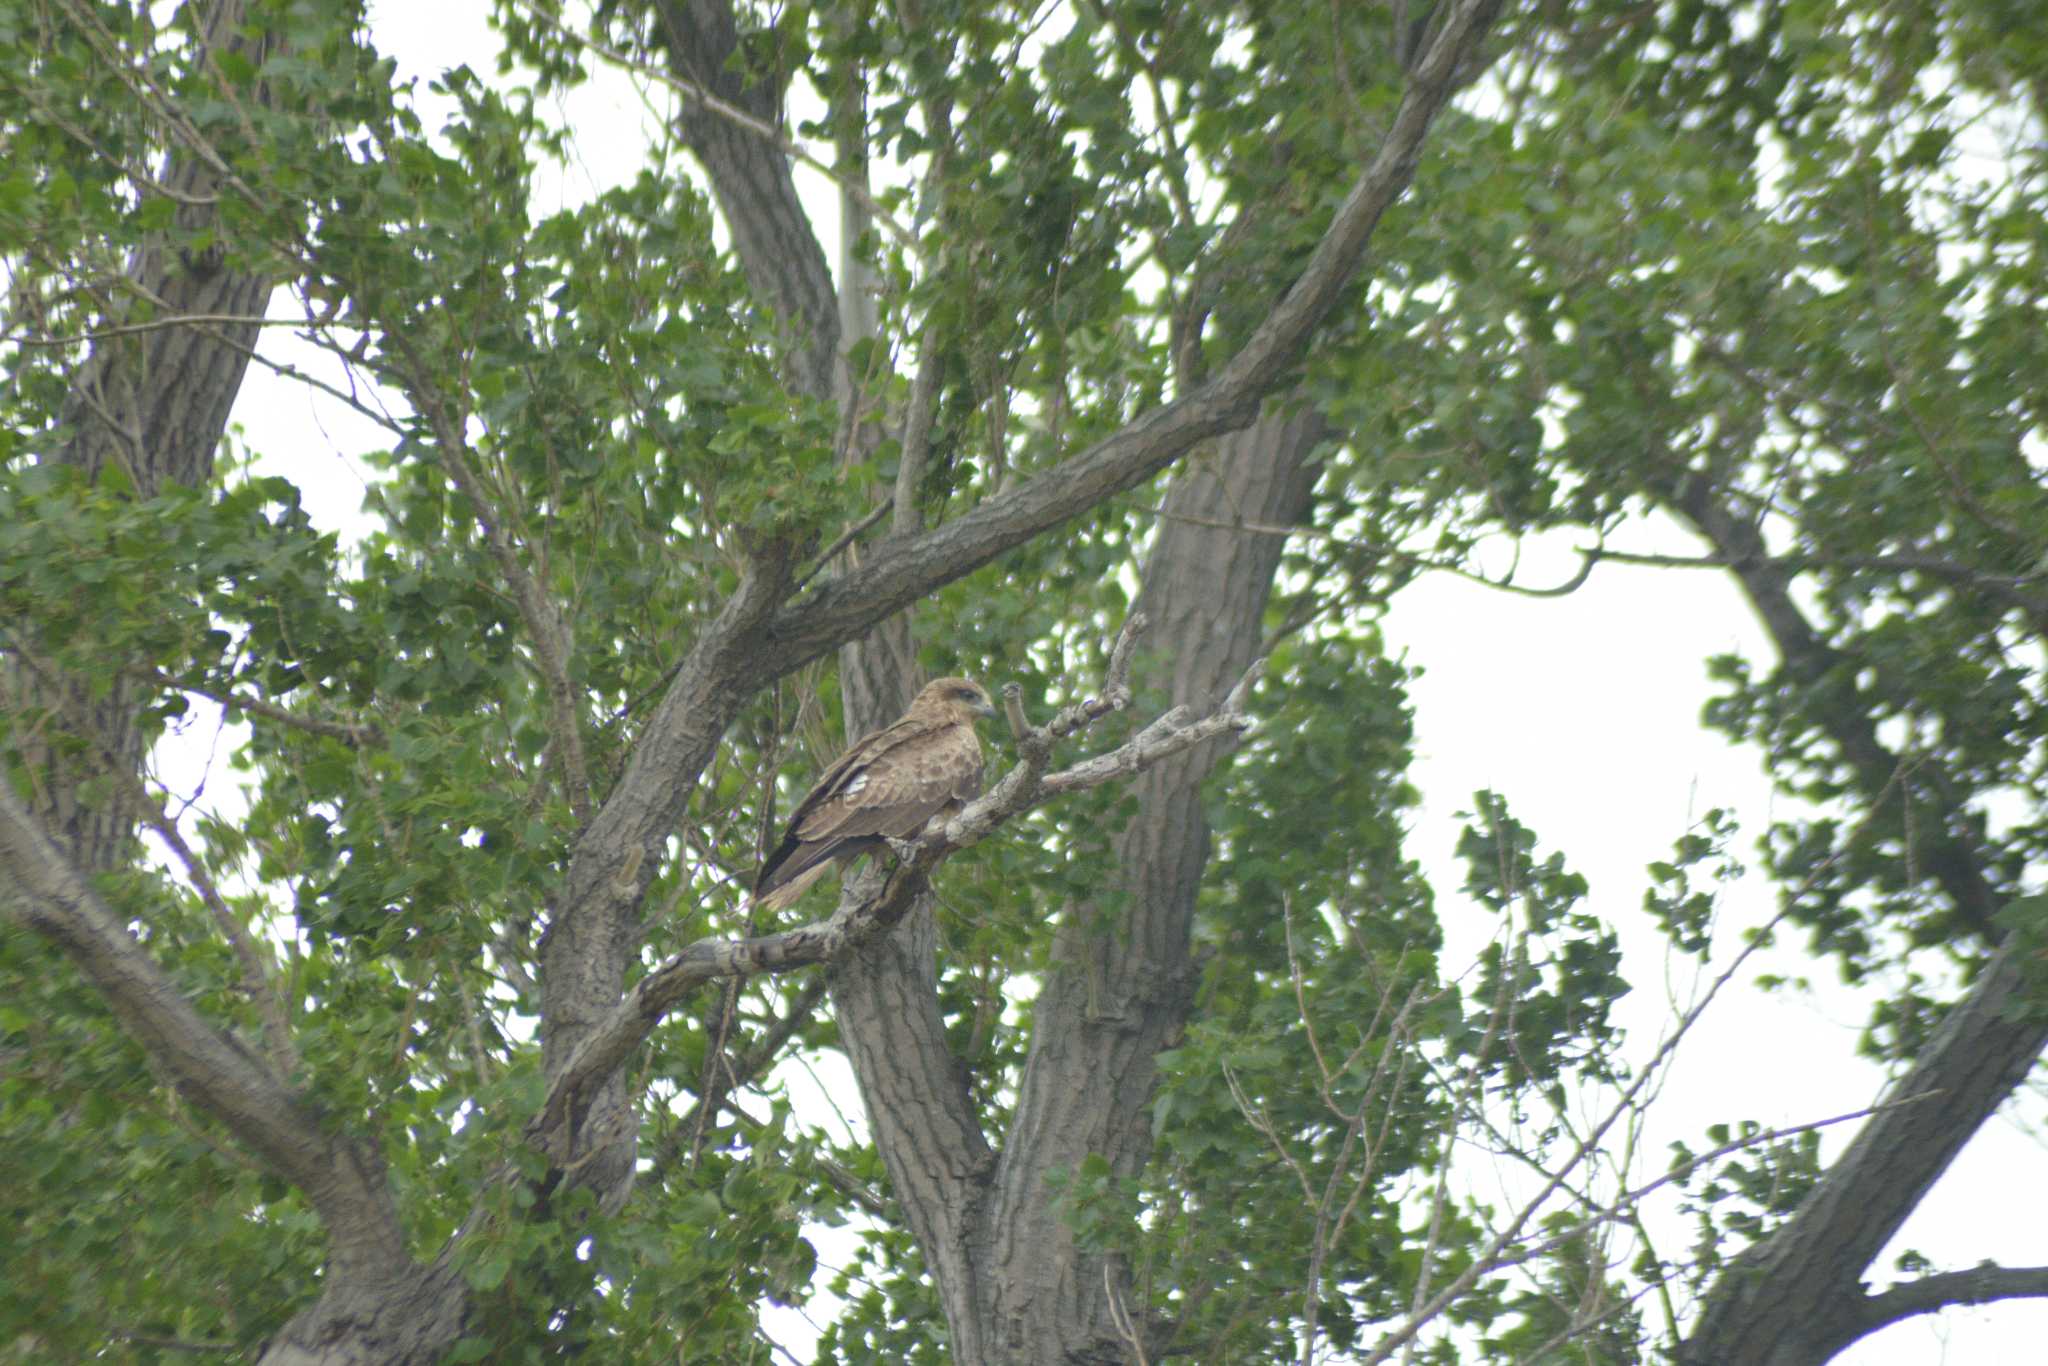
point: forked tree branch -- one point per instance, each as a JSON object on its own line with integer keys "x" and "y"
{"x": 874, "y": 902}
{"x": 901, "y": 572}
{"x": 1796, "y": 1295}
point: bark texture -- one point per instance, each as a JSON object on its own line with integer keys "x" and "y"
{"x": 1016, "y": 1288}
{"x": 1798, "y": 1297}
{"x": 1120, "y": 993}
{"x": 153, "y": 404}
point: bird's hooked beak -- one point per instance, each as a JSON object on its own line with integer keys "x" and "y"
{"x": 984, "y": 707}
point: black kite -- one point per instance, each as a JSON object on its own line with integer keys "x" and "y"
{"x": 886, "y": 786}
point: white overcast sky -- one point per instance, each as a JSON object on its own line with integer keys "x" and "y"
{"x": 1582, "y": 711}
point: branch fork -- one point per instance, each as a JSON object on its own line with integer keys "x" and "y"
{"x": 874, "y": 902}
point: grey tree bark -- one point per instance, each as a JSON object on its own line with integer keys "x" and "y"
{"x": 1117, "y": 997}
{"x": 1798, "y": 1298}
{"x": 1015, "y": 1286}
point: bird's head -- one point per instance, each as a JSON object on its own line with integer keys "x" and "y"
{"x": 961, "y": 697}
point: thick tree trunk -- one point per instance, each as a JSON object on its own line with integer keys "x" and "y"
{"x": 410, "y": 1318}
{"x": 152, "y": 404}
{"x": 1119, "y": 995}
{"x": 1015, "y": 1287}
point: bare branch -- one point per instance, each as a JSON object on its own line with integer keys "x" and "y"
{"x": 841, "y": 541}
{"x": 865, "y": 910}
{"x": 1120, "y": 1315}
{"x": 1982, "y": 1050}
{"x": 353, "y": 732}
{"x": 1259, "y": 1121}
{"x": 1504, "y": 1251}
{"x": 167, "y": 1344}
{"x": 1167, "y": 736}
{"x": 742, "y": 1071}
{"x": 1979, "y": 1285}
{"x": 1498, "y": 1252}
{"x": 1389, "y": 552}
{"x": 2009, "y": 586}
{"x": 1116, "y": 682}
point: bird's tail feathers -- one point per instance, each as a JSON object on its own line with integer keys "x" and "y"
{"x": 788, "y": 892}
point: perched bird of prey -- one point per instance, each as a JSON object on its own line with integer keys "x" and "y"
{"x": 886, "y": 786}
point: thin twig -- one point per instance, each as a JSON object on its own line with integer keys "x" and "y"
{"x": 153, "y": 325}
{"x": 1590, "y": 556}
{"x": 690, "y": 90}
{"x": 844, "y": 539}
{"x": 168, "y": 1344}
{"x": 355, "y": 733}
{"x": 258, "y": 973}
{"x": 1494, "y": 1255}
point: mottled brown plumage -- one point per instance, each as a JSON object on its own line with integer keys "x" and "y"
{"x": 886, "y": 786}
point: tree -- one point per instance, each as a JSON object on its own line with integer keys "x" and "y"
{"x": 458, "y": 1044}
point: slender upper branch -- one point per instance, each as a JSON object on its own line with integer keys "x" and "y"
{"x": 546, "y": 626}
{"x": 352, "y": 732}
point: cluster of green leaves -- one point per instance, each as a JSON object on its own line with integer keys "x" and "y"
{"x": 1748, "y": 258}
{"x": 1546, "y": 988}
{"x": 1685, "y": 910}
{"x": 127, "y": 1212}
{"x": 1827, "y": 338}
{"x": 1326, "y": 1060}
{"x": 1735, "y": 1196}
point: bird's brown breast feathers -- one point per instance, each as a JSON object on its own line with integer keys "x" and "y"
{"x": 897, "y": 786}
{"x": 888, "y": 784}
